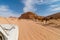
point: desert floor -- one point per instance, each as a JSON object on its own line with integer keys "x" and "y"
{"x": 31, "y": 30}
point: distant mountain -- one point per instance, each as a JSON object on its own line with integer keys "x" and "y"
{"x": 30, "y": 15}
{"x": 54, "y": 16}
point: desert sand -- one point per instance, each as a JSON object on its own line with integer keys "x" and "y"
{"x": 30, "y": 30}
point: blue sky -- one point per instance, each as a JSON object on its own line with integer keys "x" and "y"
{"x": 17, "y": 7}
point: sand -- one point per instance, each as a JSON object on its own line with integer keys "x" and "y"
{"x": 30, "y": 30}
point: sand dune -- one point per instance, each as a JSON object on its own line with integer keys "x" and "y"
{"x": 30, "y": 30}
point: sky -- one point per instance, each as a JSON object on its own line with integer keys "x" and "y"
{"x": 17, "y": 7}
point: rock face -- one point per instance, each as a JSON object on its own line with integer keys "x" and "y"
{"x": 30, "y": 15}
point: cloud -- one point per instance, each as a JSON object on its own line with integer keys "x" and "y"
{"x": 56, "y": 9}
{"x": 55, "y": 0}
{"x": 30, "y": 5}
{"x": 54, "y": 6}
{"x": 49, "y": 1}
{"x": 50, "y": 6}
{"x": 6, "y": 12}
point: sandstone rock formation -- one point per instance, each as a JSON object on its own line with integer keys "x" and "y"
{"x": 30, "y": 15}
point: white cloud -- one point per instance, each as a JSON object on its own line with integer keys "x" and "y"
{"x": 29, "y": 5}
{"x": 49, "y": 1}
{"x": 54, "y": 6}
{"x": 55, "y": 0}
{"x": 6, "y": 12}
{"x": 53, "y": 9}
{"x": 56, "y": 9}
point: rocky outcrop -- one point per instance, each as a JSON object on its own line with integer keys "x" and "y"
{"x": 54, "y": 16}
{"x": 30, "y": 15}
